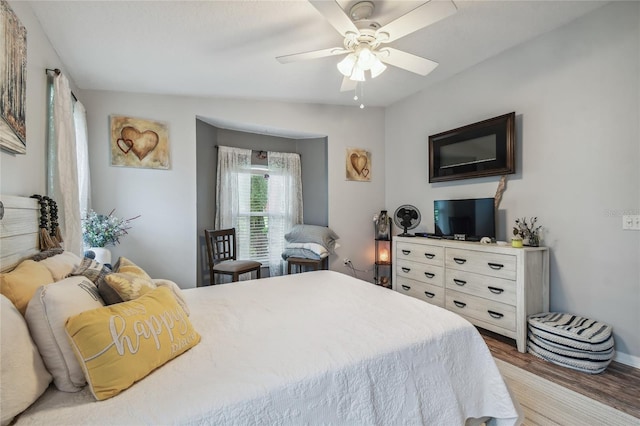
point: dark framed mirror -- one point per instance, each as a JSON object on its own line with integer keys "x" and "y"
{"x": 486, "y": 148}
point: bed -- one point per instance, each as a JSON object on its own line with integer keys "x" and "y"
{"x": 313, "y": 348}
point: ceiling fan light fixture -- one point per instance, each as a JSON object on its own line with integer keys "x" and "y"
{"x": 377, "y": 68}
{"x": 346, "y": 65}
{"x": 357, "y": 74}
{"x": 366, "y": 57}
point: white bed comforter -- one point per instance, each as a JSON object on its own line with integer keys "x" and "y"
{"x": 313, "y": 348}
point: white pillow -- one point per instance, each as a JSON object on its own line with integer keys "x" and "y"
{"x": 46, "y": 315}
{"x": 61, "y": 265}
{"x": 24, "y": 377}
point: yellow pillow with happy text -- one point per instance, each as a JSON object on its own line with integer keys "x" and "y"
{"x": 120, "y": 344}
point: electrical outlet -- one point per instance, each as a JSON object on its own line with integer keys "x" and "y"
{"x": 347, "y": 261}
{"x": 631, "y": 222}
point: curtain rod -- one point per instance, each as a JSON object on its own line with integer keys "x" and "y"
{"x": 57, "y": 71}
{"x": 262, "y": 151}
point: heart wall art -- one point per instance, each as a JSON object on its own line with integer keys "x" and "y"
{"x": 358, "y": 165}
{"x": 137, "y": 142}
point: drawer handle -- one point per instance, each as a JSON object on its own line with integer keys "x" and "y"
{"x": 459, "y": 261}
{"x": 459, "y": 282}
{"x": 495, "y": 266}
{"x": 429, "y": 274}
{"x": 459, "y": 304}
{"x": 496, "y": 315}
{"x": 429, "y": 294}
{"x": 406, "y": 252}
{"x": 406, "y": 287}
{"x": 429, "y": 255}
{"x": 405, "y": 270}
{"x": 495, "y": 290}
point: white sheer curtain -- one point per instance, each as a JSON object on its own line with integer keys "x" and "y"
{"x": 63, "y": 173}
{"x": 82, "y": 147}
{"x": 285, "y": 203}
{"x": 234, "y": 170}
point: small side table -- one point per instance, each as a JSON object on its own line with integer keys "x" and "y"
{"x": 301, "y": 263}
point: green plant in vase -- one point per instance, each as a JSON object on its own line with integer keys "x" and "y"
{"x": 100, "y": 231}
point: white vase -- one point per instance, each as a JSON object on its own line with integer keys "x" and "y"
{"x": 103, "y": 255}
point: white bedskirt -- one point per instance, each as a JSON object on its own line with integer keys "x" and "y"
{"x": 313, "y": 348}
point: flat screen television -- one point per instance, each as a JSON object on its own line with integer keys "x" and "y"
{"x": 471, "y": 218}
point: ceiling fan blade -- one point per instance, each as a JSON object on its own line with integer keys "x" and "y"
{"x": 348, "y": 85}
{"x": 420, "y": 17}
{"x": 407, "y": 61}
{"x": 311, "y": 55}
{"x": 334, "y": 14}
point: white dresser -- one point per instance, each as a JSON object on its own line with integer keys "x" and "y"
{"x": 494, "y": 287}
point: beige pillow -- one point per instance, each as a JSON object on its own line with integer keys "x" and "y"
{"x": 24, "y": 377}
{"x": 61, "y": 265}
{"x": 46, "y": 315}
{"x": 177, "y": 293}
{"x": 20, "y": 284}
{"x": 128, "y": 280}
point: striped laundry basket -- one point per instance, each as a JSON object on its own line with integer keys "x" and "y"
{"x": 572, "y": 341}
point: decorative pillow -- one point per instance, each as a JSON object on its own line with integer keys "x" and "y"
{"x": 46, "y": 316}
{"x": 322, "y": 235}
{"x": 120, "y": 344}
{"x": 91, "y": 269}
{"x": 177, "y": 292}
{"x": 128, "y": 281}
{"x": 305, "y": 251}
{"x": 61, "y": 265}
{"x": 24, "y": 377}
{"x": 20, "y": 284}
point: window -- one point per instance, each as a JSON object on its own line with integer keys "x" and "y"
{"x": 261, "y": 202}
{"x": 253, "y": 220}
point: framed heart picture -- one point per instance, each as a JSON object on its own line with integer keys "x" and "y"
{"x": 138, "y": 142}
{"x": 358, "y": 165}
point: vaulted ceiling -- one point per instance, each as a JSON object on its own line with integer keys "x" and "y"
{"x": 228, "y": 48}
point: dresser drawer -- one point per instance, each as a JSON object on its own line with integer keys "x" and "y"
{"x": 497, "y": 289}
{"x": 498, "y": 314}
{"x": 422, "y": 253}
{"x": 492, "y": 264}
{"x": 422, "y": 272}
{"x": 427, "y": 292}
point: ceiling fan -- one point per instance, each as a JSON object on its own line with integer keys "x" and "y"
{"x": 365, "y": 39}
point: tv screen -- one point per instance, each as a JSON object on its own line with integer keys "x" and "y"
{"x": 473, "y": 218}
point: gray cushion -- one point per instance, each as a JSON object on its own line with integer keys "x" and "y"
{"x": 231, "y": 266}
{"x": 322, "y": 235}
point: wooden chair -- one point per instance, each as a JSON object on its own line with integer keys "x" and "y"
{"x": 221, "y": 251}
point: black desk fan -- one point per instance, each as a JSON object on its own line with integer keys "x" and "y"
{"x": 406, "y": 217}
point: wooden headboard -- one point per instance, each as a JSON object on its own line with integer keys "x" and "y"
{"x": 18, "y": 230}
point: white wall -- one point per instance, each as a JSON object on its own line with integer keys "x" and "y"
{"x": 164, "y": 239}
{"x": 576, "y": 95}
{"x": 26, "y": 174}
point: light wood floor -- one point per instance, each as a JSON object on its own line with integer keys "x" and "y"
{"x": 617, "y": 387}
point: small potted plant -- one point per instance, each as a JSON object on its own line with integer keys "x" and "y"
{"x": 100, "y": 231}
{"x": 527, "y": 231}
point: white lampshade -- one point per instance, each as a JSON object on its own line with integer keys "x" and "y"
{"x": 366, "y": 58}
{"x": 357, "y": 74}
{"x": 377, "y": 68}
{"x": 346, "y": 65}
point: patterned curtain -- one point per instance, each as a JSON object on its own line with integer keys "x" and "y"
{"x": 285, "y": 203}
{"x": 234, "y": 166}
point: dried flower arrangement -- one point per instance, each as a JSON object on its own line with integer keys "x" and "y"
{"x": 529, "y": 230}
